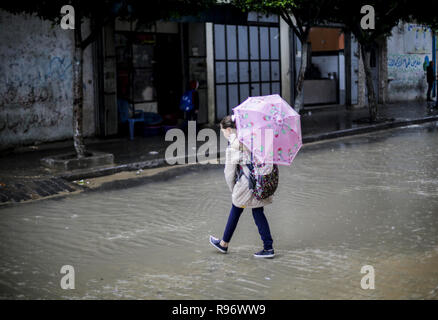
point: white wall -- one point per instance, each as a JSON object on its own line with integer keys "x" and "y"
{"x": 36, "y": 82}
{"x": 285, "y": 61}
{"x": 407, "y": 48}
{"x": 326, "y": 64}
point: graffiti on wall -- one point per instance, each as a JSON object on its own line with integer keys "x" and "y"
{"x": 36, "y": 80}
{"x": 405, "y": 62}
{"x": 22, "y": 123}
{"x": 406, "y": 73}
{"x": 25, "y": 85}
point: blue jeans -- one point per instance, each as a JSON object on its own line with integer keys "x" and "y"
{"x": 260, "y": 220}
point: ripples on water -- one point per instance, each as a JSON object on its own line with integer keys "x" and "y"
{"x": 371, "y": 199}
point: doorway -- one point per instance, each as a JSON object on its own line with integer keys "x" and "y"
{"x": 324, "y": 80}
{"x": 167, "y": 73}
{"x": 149, "y": 71}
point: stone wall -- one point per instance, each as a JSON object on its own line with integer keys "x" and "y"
{"x": 36, "y": 82}
{"x": 408, "y": 47}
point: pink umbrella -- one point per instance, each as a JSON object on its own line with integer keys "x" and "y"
{"x": 270, "y": 128}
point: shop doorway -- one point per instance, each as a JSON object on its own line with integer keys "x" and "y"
{"x": 324, "y": 82}
{"x": 149, "y": 71}
{"x": 168, "y": 75}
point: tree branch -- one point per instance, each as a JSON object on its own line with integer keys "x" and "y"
{"x": 301, "y": 28}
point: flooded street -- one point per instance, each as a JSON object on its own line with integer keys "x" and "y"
{"x": 365, "y": 200}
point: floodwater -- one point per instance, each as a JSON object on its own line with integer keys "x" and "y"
{"x": 365, "y": 200}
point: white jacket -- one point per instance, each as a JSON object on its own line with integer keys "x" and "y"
{"x": 242, "y": 197}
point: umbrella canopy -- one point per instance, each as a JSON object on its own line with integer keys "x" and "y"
{"x": 270, "y": 128}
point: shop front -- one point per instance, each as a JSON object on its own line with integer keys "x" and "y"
{"x": 149, "y": 74}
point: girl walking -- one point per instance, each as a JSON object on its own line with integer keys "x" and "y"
{"x": 236, "y": 177}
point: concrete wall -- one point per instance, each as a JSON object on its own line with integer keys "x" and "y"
{"x": 408, "y": 46}
{"x": 327, "y": 64}
{"x": 36, "y": 82}
{"x": 285, "y": 56}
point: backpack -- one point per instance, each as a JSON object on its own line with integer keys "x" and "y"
{"x": 263, "y": 186}
{"x": 186, "y": 103}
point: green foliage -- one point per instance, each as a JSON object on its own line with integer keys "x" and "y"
{"x": 423, "y": 12}
{"x": 306, "y": 13}
{"x": 143, "y": 10}
{"x": 265, "y": 6}
{"x": 387, "y": 14}
{"x": 101, "y": 12}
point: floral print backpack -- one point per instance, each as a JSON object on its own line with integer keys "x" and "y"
{"x": 263, "y": 186}
{"x": 263, "y": 178}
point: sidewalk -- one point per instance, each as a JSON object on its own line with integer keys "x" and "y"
{"x": 23, "y": 178}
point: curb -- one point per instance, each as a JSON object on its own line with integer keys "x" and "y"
{"x": 100, "y": 172}
{"x": 104, "y": 171}
{"x": 161, "y": 162}
{"x": 366, "y": 129}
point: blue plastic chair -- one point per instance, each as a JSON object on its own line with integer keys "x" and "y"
{"x": 123, "y": 107}
{"x": 152, "y": 118}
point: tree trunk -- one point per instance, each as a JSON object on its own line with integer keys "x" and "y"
{"x": 299, "y": 98}
{"x": 78, "y": 94}
{"x": 372, "y": 103}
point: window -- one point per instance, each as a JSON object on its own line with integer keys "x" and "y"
{"x": 247, "y": 61}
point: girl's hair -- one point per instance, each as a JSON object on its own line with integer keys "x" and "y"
{"x": 227, "y": 122}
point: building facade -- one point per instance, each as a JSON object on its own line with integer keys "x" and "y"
{"x": 150, "y": 66}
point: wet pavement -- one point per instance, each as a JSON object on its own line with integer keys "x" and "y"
{"x": 322, "y": 119}
{"x": 370, "y": 199}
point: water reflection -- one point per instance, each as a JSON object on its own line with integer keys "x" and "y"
{"x": 366, "y": 200}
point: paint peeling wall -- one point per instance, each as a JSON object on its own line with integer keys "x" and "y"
{"x": 407, "y": 50}
{"x": 36, "y": 82}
